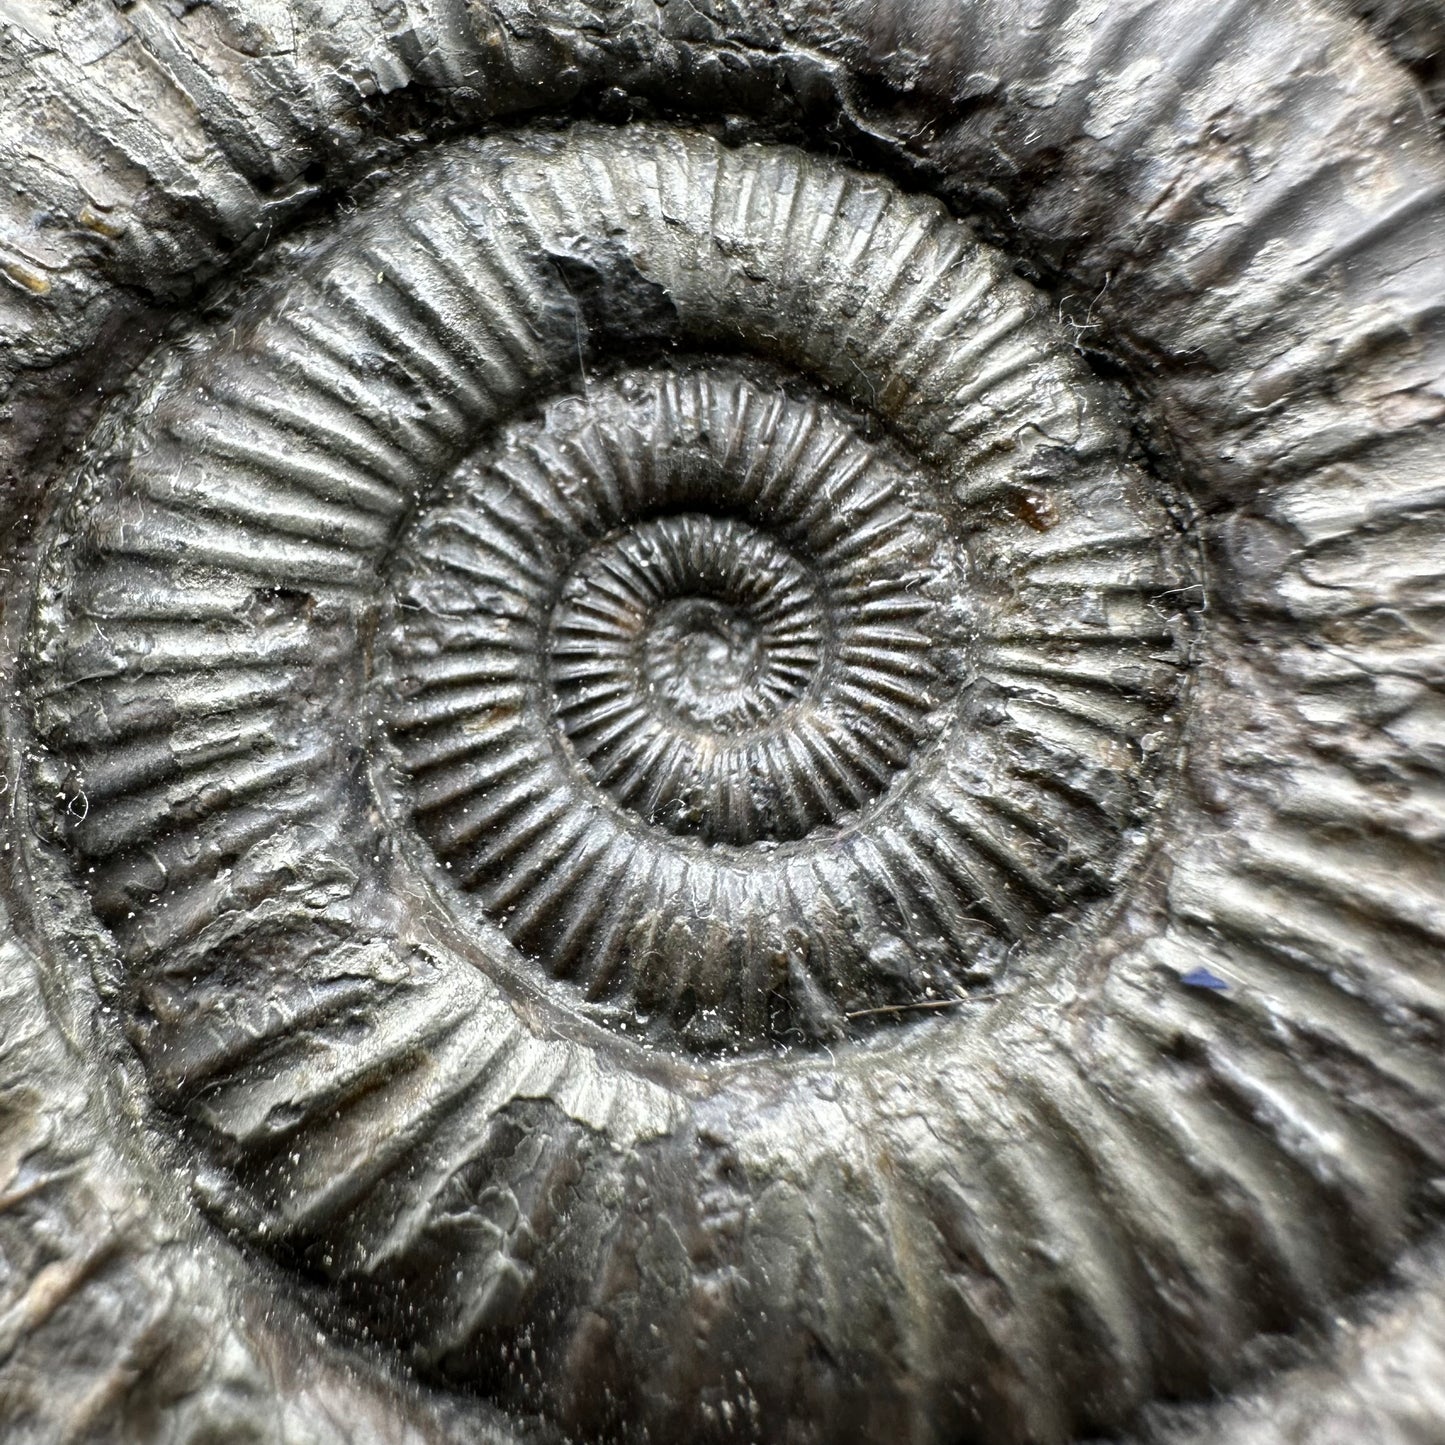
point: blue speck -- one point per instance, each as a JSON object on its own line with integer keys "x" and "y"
{"x": 1202, "y": 978}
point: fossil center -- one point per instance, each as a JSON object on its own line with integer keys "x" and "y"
{"x": 703, "y": 660}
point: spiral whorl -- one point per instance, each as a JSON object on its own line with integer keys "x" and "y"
{"x": 729, "y": 593}
{"x": 624, "y": 707}
{"x": 852, "y": 829}
{"x": 681, "y": 612}
{"x": 799, "y": 673}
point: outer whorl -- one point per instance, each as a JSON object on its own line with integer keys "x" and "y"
{"x": 775, "y": 779}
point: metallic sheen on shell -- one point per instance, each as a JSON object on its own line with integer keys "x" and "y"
{"x": 726, "y": 725}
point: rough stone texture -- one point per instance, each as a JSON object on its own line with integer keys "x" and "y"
{"x": 1415, "y": 32}
{"x": 297, "y": 1144}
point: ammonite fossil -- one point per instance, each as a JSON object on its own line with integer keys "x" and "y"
{"x": 726, "y": 724}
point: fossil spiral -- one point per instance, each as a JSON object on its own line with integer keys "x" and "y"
{"x": 760, "y": 774}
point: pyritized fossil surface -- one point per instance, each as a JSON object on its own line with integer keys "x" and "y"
{"x": 726, "y": 725}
